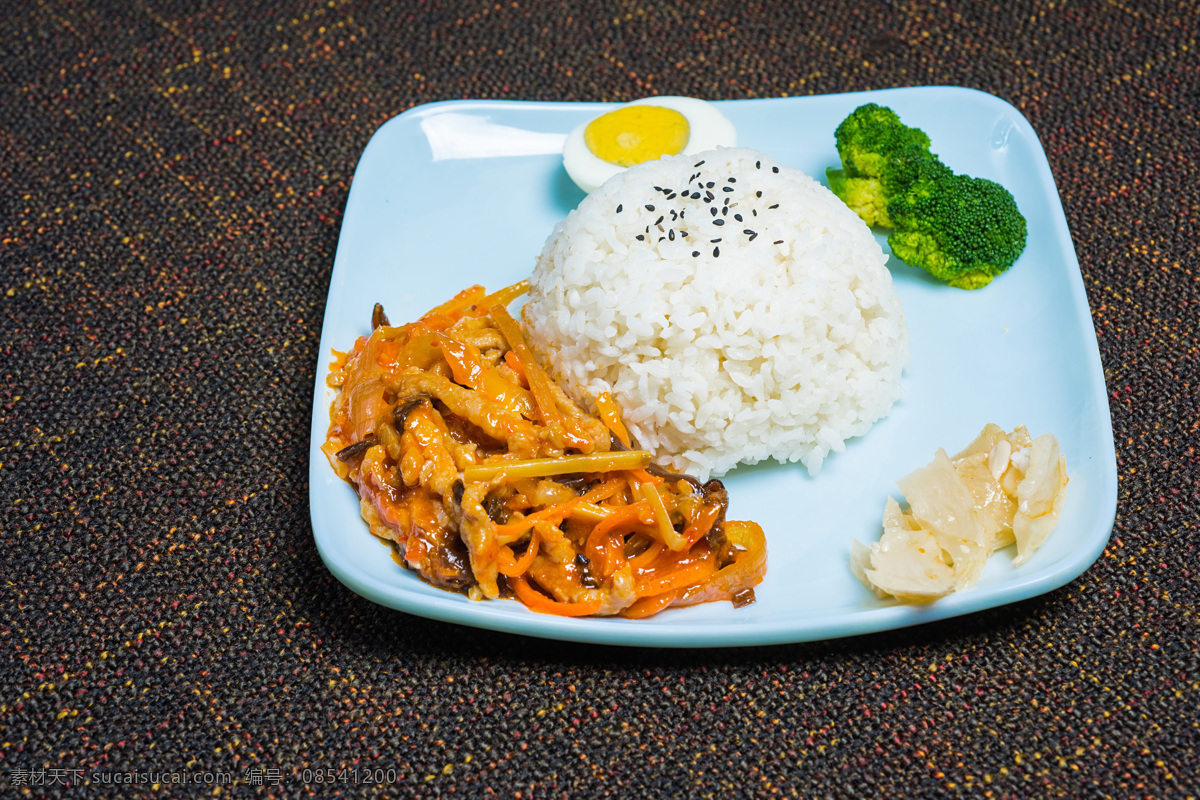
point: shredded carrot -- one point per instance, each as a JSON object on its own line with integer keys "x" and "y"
{"x": 514, "y": 363}
{"x": 677, "y": 576}
{"x": 454, "y": 307}
{"x": 603, "y": 491}
{"x": 510, "y": 566}
{"x": 645, "y": 477}
{"x": 599, "y": 542}
{"x": 643, "y": 559}
{"x": 502, "y": 297}
{"x": 647, "y": 606}
{"x": 541, "y": 603}
{"x": 610, "y": 413}
{"x": 702, "y": 524}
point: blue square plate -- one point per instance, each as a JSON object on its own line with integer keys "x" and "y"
{"x": 451, "y": 194}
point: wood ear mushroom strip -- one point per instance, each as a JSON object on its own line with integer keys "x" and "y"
{"x": 490, "y": 480}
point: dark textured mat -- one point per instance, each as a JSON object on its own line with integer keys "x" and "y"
{"x": 172, "y": 177}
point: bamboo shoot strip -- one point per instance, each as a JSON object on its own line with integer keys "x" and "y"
{"x": 543, "y": 467}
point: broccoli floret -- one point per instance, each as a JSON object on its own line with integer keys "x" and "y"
{"x": 863, "y": 195}
{"x": 872, "y": 138}
{"x": 962, "y": 230}
{"x": 868, "y": 197}
{"x": 881, "y": 156}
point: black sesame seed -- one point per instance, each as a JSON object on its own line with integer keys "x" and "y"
{"x": 726, "y": 188}
{"x": 619, "y": 207}
{"x": 671, "y": 234}
{"x": 695, "y": 195}
{"x": 683, "y": 233}
{"x": 725, "y": 211}
{"x": 753, "y": 236}
{"x": 709, "y": 196}
{"x": 698, "y": 163}
{"x": 712, "y": 211}
{"x": 758, "y": 194}
{"x": 695, "y": 253}
{"x": 732, "y": 180}
{"x": 779, "y": 241}
{"x": 659, "y": 220}
{"x": 714, "y": 241}
{"x": 758, "y": 165}
{"x": 774, "y": 169}
{"x": 738, "y": 217}
{"x": 674, "y": 214}
{"x": 649, "y": 207}
{"x": 672, "y": 196}
{"x": 710, "y": 184}
{"x": 658, "y": 188}
{"x": 661, "y": 238}
{"x": 749, "y": 232}
{"x": 774, "y": 206}
{"x": 716, "y": 252}
{"x": 641, "y": 238}
{"x": 754, "y": 212}
{"x": 718, "y": 222}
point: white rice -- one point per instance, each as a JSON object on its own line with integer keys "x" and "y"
{"x": 781, "y": 347}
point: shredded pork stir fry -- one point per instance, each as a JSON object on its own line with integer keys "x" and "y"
{"x": 490, "y": 480}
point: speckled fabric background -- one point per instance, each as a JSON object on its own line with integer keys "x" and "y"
{"x": 172, "y": 179}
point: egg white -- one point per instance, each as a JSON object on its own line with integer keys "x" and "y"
{"x": 707, "y": 128}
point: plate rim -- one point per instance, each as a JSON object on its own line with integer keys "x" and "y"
{"x": 661, "y": 632}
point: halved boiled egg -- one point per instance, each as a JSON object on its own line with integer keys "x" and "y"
{"x": 644, "y": 130}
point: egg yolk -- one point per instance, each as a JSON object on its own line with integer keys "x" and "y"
{"x": 634, "y": 134}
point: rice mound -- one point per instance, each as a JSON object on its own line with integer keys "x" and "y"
{"x": 781, "y": 340}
